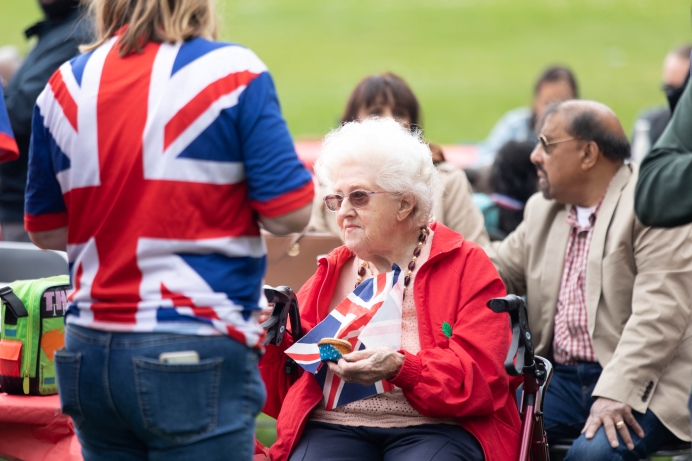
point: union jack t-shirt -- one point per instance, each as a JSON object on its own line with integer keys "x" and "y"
{"x": 158, "y": 163}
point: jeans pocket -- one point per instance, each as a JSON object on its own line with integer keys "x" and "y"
{"x": 178, "y": 402}
{"x": 67, "y": 366}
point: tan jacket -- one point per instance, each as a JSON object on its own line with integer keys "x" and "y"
{"x": 455, "y": 210}
{"x": 638, "y": 297}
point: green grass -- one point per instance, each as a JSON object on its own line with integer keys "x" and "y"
{"x": 265, "y": 430}
{"x": 468, "y": 60}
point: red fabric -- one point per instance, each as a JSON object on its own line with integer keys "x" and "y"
{"x": 572, "y": 342}
{"x": 8, "y": 148}
{"x": 10, "y": 358}
{"x": 33, "y": 429}
{"x": 286, "y": 203}
{"x": 45, "y": 222}
{"x": 461, "y": 377}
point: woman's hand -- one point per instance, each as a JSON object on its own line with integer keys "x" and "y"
{"x": 266, "y": 313}
{"x": 368, "y": 366}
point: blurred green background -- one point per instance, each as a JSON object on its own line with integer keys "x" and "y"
{"x": 468, "y": 61}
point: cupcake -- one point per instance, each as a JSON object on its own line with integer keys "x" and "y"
{"x": 332, "y": 349}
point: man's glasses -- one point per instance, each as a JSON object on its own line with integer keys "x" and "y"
{"x": 358, "y": 199}
{"x": 545, "y": 143}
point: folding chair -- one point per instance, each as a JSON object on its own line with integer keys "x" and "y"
{"x": 25, "y": 261}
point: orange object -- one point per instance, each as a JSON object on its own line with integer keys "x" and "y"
{"x": 10, "y": 357}
{"x": 52, "y": 341}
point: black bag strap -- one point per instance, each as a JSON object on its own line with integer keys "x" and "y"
{"x": 13, "y": 302}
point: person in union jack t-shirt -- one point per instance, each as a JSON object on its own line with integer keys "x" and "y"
{"x": 155, "y": 155}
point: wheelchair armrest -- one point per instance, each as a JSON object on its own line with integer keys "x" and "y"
{"x": 520, "y": 354}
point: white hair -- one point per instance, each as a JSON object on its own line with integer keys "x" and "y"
{"x": 400, "y": 160}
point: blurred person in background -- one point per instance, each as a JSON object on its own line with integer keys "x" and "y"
{"x": 10, "y": 62}
{"x": 513, "y": 180}
{"x": 387, "y": 95}
{"x": 663, "y": 190}
{"x": 608, "y": 298}
{"x": 649, "y": 126}
{"x": 59, "y": 35}
{"x": 555, "y": 84}
{"x": 155, "y": 156}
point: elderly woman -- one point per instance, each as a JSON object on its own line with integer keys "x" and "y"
{"x": 451, "y": 396}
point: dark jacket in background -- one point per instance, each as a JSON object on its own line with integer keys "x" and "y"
{"x": 57, "y": 42}
{"x": 664, "y": 190}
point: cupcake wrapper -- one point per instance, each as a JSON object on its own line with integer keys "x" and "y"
{"x": 329, "y": 353}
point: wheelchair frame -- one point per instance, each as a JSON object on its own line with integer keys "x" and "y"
{"x": 520, "y": 361}
{"x": 536, "y": 371}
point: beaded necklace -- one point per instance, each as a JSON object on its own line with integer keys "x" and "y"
{"x": 411, "y": 266}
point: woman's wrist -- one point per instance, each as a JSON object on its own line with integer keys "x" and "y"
{"x": 409, "y": 373}
{"x": 399, "y": 359}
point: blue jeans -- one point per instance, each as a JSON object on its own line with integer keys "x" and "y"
{"x": 126, "y": 405}
{"x": 567, "y": 405}
{"x": 427, "y": 442}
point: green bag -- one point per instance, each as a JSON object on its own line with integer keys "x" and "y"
{"x": 32, "y": 329}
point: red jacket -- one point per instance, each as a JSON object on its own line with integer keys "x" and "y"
{"x": 461, "y": 377}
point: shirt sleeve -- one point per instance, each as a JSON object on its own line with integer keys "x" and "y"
{"x": 44, "y": 207}
{"x": 662, "y": 196}
{"x": 8, "y": 146}
{"x": 278, "y": 182}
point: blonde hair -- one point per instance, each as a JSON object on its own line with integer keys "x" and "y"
{"x": 150, "y": 21}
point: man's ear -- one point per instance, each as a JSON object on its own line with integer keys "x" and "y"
{"x": 589, "y": 155}
{"x": 407, "y": 204}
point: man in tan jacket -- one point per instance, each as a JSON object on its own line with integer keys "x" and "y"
{"x": 609, "y": 299}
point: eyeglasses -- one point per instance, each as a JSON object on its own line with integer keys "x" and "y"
{"x": 358, "y": 198}
{"x": 545, "y": 143}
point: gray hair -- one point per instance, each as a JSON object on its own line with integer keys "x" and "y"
{"x": 400, "y": 160}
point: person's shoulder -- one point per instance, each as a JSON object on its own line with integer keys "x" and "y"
{"x": 450, "y": 173}
{"x": 453, "y": 245}
{"x": 231, "y": 56}
{"x": 654, "y": 113}
{"x": 520, "y": 114}
{"x": 454, "y": 254}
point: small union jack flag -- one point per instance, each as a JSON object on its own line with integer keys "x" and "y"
{"x": 369, "y": 317}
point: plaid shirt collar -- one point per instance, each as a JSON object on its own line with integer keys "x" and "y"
{"x": 573, "y": 221}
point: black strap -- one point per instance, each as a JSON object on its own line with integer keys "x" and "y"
{"x": 15, "y": 304}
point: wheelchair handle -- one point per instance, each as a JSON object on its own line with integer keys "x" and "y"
{"x": 285, "y": 306}
{"x": 520, "y": 354}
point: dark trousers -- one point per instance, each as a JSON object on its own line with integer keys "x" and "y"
{"x": 566, "y": 408}
{"x": 439, "y": 442}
